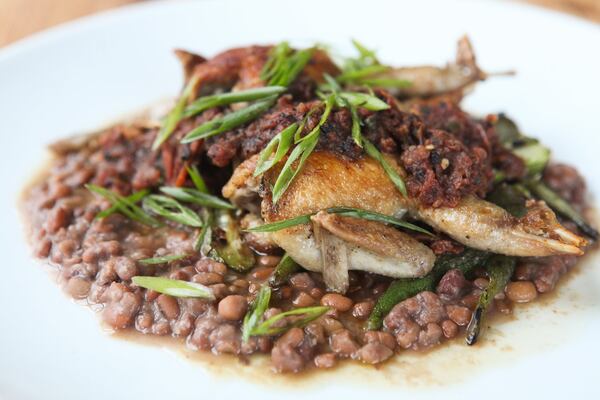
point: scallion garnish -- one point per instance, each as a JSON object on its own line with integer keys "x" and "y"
{"x": 197, "y": 197}
{"x": 255, "y": 312}
{"x": 197, "y": 179}
{"x": 229, "y": 121}
{"x": 343, "y": 211}
{"x": 364, "y": 100}
{"x": 124, "y": 205}
{"x": 163, "y": 259}
{"x": 271, "y": 326}
{"x": 174, "y": 287}
{"x": 366, "y": 70}
{"x": 286, "y": 267}
{"x": 390, "y": 172}
{"x": 284, "y": 64}
{"x": 204, "y": 240}
{"x": 284, "y": 224}
{"x": 283, "y": 141}
{"x": 223, "y": 99}
{"x": 172, "y": 210}
{"x": 174, "y": 116}
{"x": 133, "y": 198}
{"x": 377, "y": 217}
{"x": 304, "y": 147}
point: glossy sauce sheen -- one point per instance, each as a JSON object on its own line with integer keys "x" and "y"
{"x": 97, "y": 258}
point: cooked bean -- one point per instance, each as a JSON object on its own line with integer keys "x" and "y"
{"x": 459, "y": 314}
{"x": 233, "y": 307}
{"x": 78, "y": 288}
{"x": 430, "y": 336}
{"x": 373, "y": 353}
{"x": 325, "y": 360}
{"x": 302, "y": 281}
{"x": 521, "y": 291}
{"x": 342, "y": 343}
{"x": 210, "y": 265}
{"x": 125, "y": 268}
{"x": 121, "y": 308}
{"x": 58, "y": 218}
{"x": 449, "y": 328}
{"x": 337, "y": 301}
{"x": 481, "y": 283}
{"x": 362, "y": 310}
{"x": 303, "y": 299}
{"x": 168, "y": 306}
{"x": 268, "y": 261}
{"x": 262, "y": 273}
{"x": 381, "y": 337}
{"x": 316, "y": 293}
{"x": 207, "y": 278}
{"x": 161, "y": 328}
{"x": 408, "y": 334}
{"x": 43, "y": 248}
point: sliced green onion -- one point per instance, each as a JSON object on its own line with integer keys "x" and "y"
{"x": 256, "y": 311}
{"x": 172, "y": 210}
{"x": 391, "y": 172}
{"x": 279, "y": 225}
{"x": 283, "y": 141}
{"x": 174, "y": 287}
{"x": 305, "y": 146}
{"x": 197, "y": 197}
{"x": 377, "y": 217}
{"x": 364, "y": 52}
{"x": 391, "y": 83}
{"x": 197, "y": 179}
{"x": 355, "y": 75}
{"x": 343, "y": 211}
{"x": 364, "y": 100}
{"x": 163, "y": 259}
{"x": 291, "y": 67}
{"x": 277, "y": 57}
{"x": 174, "y": 116}
{"x": 223, "y": 99}
{"x": 229, "y": 121}
{"x": 125, "y": 206}
{"x": 133, "y": 198}
{"x": 270, "y": 326}
{"x": 286, "y": 267}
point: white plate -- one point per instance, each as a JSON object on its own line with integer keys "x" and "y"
{"x": 83, "y": 75}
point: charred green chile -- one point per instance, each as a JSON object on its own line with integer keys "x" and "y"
{"x": 286, "y": 267}
{"x": 500, "y": 269}
{"x": 558, "y": 204}
{"x": 402, "y": 289}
